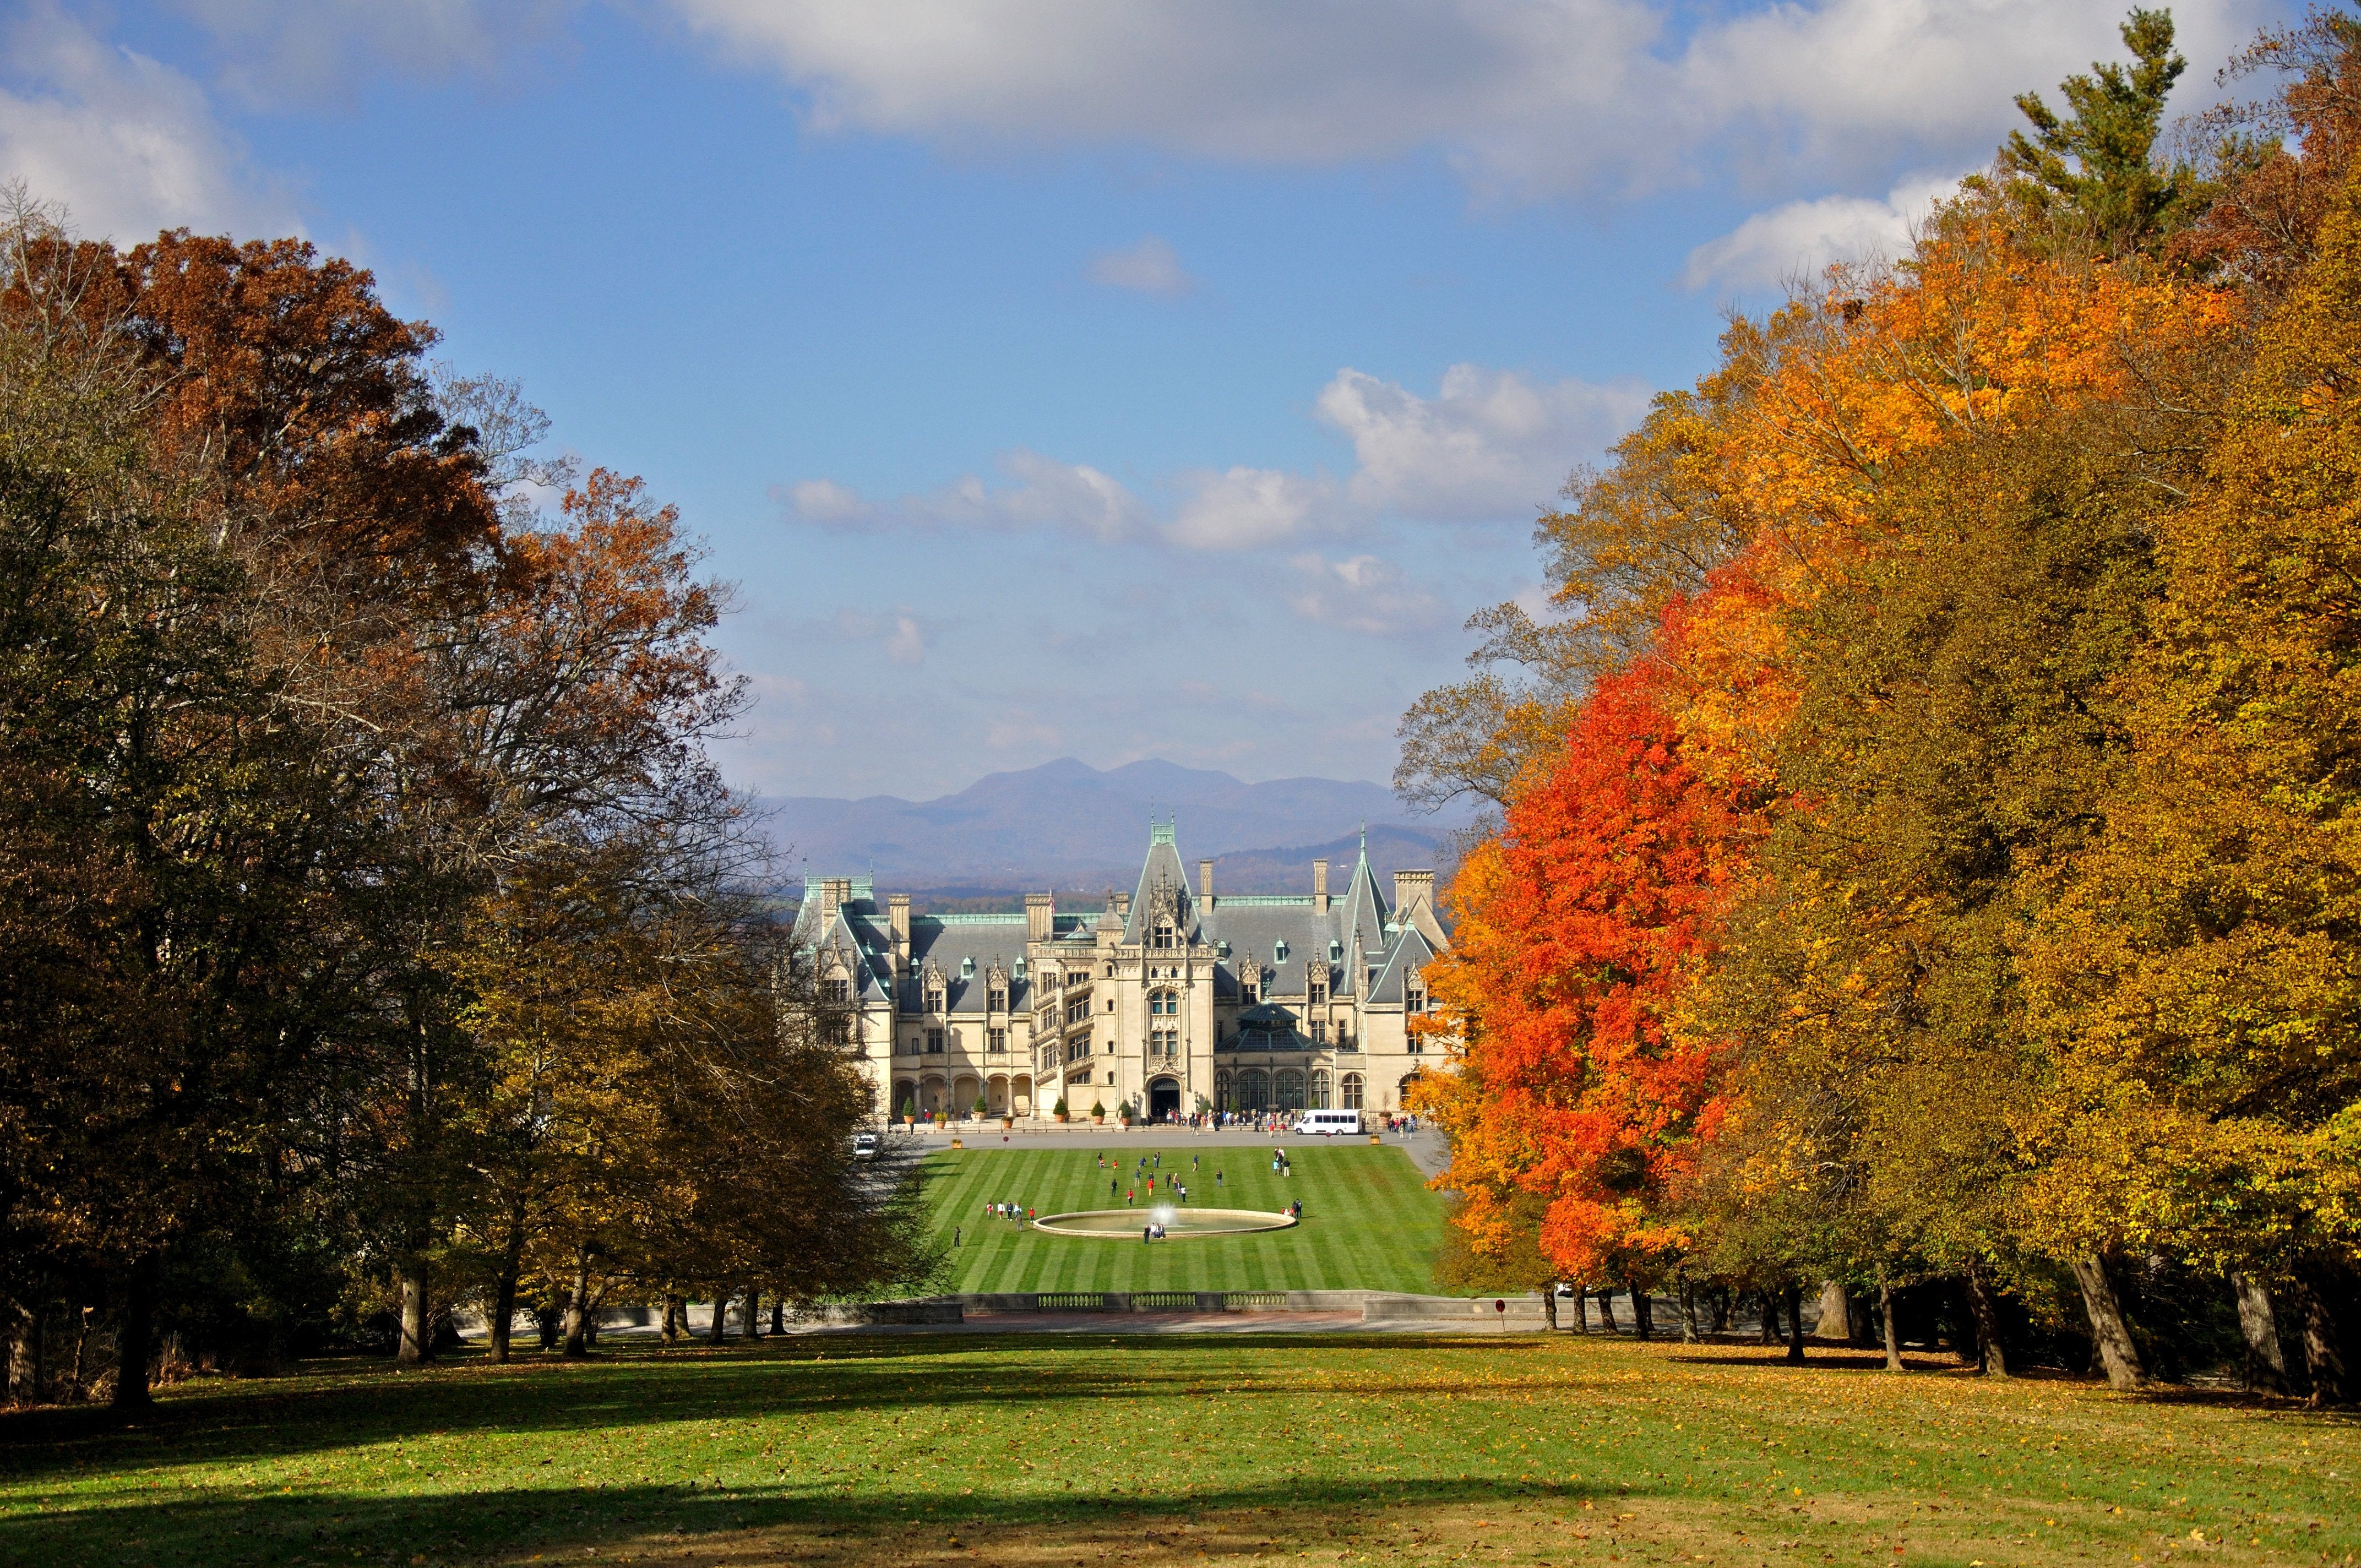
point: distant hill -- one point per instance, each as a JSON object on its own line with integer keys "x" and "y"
{"x": 1066, "y": 825}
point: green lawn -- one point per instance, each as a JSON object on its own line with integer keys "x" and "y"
{"x": 1370, "y": 1222}
{"x": 1166, "y": 1452}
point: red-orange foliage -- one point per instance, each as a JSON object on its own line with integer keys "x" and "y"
{"x": 1579, "y": 929}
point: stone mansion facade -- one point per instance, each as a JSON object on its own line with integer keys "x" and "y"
{"x": 1171, "y": 998}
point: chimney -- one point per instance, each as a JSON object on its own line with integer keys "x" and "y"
{"x": 1205, "y": 883}
{"x": 897, "y": 917}
{"x": 1320, "y": 886}
{"x": 1123, "y": 905}
{"x": 1412, "y": 888}
{"x": 1040, "y": 909}
{"x": 830, "y": 895}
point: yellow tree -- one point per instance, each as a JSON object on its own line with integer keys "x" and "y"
{"x": 2201, "y": 975}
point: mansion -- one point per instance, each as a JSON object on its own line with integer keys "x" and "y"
{"x": 1173, "y": 999}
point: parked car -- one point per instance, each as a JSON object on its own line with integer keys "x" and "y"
{"x": 864, "y": 1145}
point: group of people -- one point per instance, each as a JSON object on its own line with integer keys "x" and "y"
{"x": 1146, "y": 1172}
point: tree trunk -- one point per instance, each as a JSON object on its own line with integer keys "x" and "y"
{"x": 719, "y": 1331}
{"x": 1893, "y": 1334}
{"x": 504, "y": 1294}
{"x": 2266, "y": 1362}
{"x": 2109, "y": 1327}
{"x": 135, "y": 1341}
{"x": 1548, "y": 1302}
{"x": 1643, "y": 1317}
{"x": 1794, "y": 1322}
{"x": 2323, "y": 1349}
{"x": 779, "y": 1314}
{"x": 1770, "y": 1316}
{"x": 1992, "y": 1354}
{"x": 577, "y": 1308}
{"x": 1607, "y": 1310}
{"x": 1836, "y": 1312}
{"x": 1582, "y": 1309}
{"x": 674, "y": 1317}
{"x": 1718, "y": 1297}
{"x": 1688, "y": 1310}
{"x": 27, "y": 1368}
{"x": 755, "y": 1312}
{"x": 417, "y": 1341}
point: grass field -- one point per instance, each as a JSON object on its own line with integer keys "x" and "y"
{"x": 1181, "y": 1451}
{"x": 1370, "y": 1223}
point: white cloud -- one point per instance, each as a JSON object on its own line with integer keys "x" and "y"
{"x": 274, "y": 50}
{"x": 907, "y": 644}
{"x": 1151, "y": 267}
{"x": 129, "y": 146}
{"x": 901, "y": 635}
{"x": 1490, "y": 444}
{"x": 1365, "y": 593}
{"x": 1042, "y": 494}
{"x": 1247, "y": 509}
{"x": 1798, "y": 240}
{"x": 1528, "y": 96}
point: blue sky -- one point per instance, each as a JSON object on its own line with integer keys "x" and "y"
{"x": 1062, "y": 376}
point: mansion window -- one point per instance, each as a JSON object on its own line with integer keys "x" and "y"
{"x": 1164, "y": 1005}
{"x": 934, "y": 1002}
{"x": 934, "y": 1042}
{"x": 1417, "y": 1045}
{"x": 1319, "y": 1092}
{"x": 1351, "y": 1100}
{"x": 1316, "y": 990}
{"x": 1163, "y": 936}
{"x": 1344, "y": 1035}
{"x": 1320, "y": 1032}
{"x": 1249, "y": 991}
{"x": 997, "y": 1041}
{"x": 1414, "y": 1000}
{"x": 1078, "y": 1011}
{"x": 997, "y": 1002}
{"x": 837, "y": 991}
{"x": 1164, "y": 1042}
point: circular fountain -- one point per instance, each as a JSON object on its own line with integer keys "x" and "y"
{"x": 1120, "y": 1224}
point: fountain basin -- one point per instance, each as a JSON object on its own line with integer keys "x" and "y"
{"x": 1124, "y": 1224}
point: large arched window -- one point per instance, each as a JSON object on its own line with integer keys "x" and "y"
{"x": 1351, "y": 1100}
{"x": 1222, "y": 1090}
{"x": 1287, "y": 1090}
{"x": 1164, "y": 1003}
{"x": 1254, "y": 1090}
{"x": 1319, "y": 1091}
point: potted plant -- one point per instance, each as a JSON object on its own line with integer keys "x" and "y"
{"x": 910, "y": 1112}
{"x": 981, "y": 1108}
{"x": 1098, "y": 1113}
{"x": 941, "y": 1116}
{"x": 1059, "y": 1110}
{"x": 1126, "y": 1111}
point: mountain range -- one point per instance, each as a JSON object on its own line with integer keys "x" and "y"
{"x": 1068, "y": 825}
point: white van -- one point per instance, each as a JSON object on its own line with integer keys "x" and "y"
{"x": 1329, "y": 1123}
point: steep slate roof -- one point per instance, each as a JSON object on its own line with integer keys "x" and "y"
{"x": 1365, "y": 906}
{"x": 1162, "y": 865}
{"x": 1251, "y": 926}
{"x": 988, "y": 939}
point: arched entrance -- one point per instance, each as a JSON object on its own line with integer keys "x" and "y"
{"x": 1163, "y": 1098}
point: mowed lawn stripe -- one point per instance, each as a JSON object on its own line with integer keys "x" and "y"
{"x": 1369, "y": 1221}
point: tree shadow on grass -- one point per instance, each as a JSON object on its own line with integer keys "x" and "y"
{"x": 836, "y": 1377}
{"x": 510, "y": 1523}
